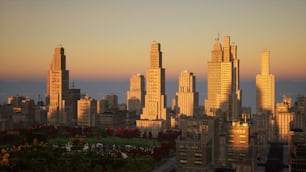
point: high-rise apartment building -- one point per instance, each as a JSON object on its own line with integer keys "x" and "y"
{"x": 265, "y": 91}
{"x": 87, "y": 112}
{"x": 187, "y": 97}
{"x": 62, "y": 100}
{"x": 239, "y": 147}
{"x": 135, "y": 96}
{"x": 284, "y": 119}
{"x": 224, "y": 94}
{"x": 154, "y": 113}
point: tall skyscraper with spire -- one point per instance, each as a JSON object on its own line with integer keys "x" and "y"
{"x": 187, "y": 97}
{"x": 224, "y": 94}
{"x": 62, "y": 100}
{"x": 265, "y": 87}
{"x": 154, "y": 112}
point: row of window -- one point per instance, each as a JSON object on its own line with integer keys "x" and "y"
{"x": 197, "y": 162}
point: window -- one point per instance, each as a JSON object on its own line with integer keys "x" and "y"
{"x": 183, "y": 161}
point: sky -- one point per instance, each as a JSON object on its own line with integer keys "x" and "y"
{"x": 110, "y": 40}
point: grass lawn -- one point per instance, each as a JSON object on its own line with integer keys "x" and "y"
{"x": 109, "y": 141}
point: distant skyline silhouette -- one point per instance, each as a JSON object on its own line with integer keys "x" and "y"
{"x": 97, "y": 89}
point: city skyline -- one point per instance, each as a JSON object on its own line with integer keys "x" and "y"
{"x": 170, "y": 73}
{"x": 102, "y": 39}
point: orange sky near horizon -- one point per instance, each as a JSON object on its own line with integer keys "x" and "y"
{"x": 111, "y": 39}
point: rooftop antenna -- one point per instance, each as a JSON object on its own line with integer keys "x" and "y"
{"x": 73, "y": 85}
{"x": 218, "y": 38}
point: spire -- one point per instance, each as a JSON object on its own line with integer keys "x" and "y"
{"x": 265, "y": 62}
{"x": 218, "y": 38}
{"x": 216, "y": 53}
{"x": 73, "y": 84}
{"x": 226, "y": 49}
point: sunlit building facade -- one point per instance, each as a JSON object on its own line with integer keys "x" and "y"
{"x": 154, "y": 113}
{"x": 239, "y": 148}
{"x": 224, "y": 94}
{"x": 284, "y": 119}
{"x": 265, "y": 88}
{"x": 62, "y": 100}
{"x": 135, "y": 96}
{"x": 187, "y": 97}
{"x": 87, "y": 112}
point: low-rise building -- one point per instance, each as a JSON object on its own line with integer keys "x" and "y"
{"x": 194, "y": 148}
{"x": 119, "y": 119}
{"x": 87, "y": 112}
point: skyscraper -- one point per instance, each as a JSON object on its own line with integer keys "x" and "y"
{"x": 154, "y": 112}
{"x": 224, "y": 94}
{"x": 187, "y": 97}
{"x": 265, "y": 98}
{"x": 155, "y": 98}
{"x": 62, "y": 100}
{"x": 135, "y": 96}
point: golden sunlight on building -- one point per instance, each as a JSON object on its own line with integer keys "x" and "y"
{"x": 154, "y": 115}
{"x": 224, "y": 94}
{"x": 187, "y": 97}
{"x": 239, "y": 152}
{"x": 61, "y": 100}
{"x": 135, "y": 96}
{"x": 284, "y": 119}
{"x": 87, "y": 112}
{"x": 265, "y": 96}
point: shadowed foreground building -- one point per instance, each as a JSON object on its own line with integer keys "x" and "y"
{"x": 108, "y": 103}
{"x": 297, "y": 150}
{"x": 154, "y": 114}
{"x": 118, "y": 119}
{"x": 194, "y": 148}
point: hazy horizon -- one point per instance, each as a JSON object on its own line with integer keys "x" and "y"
{"x": 97, "y": 89}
